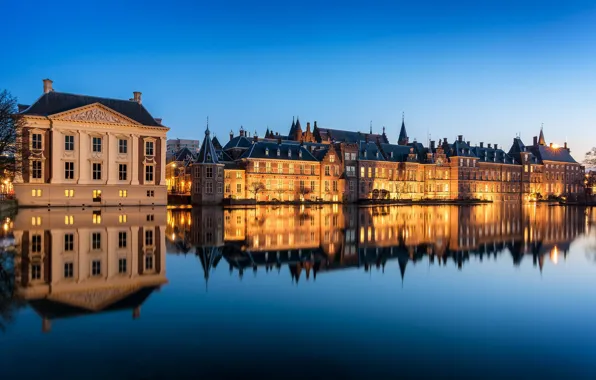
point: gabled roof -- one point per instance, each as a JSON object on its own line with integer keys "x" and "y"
{"x": 238, "y": 142}
{"x": 207, "y": 153}
{"x": 259, "y": 149}
{"x": 216, "y": 143}
{"x": 57, "y": 102}
{"x": 183, "y": 154}
{"x": 460, "y": 149}
{"x": 369, "y": 151}
{"x": 517, "y": 148}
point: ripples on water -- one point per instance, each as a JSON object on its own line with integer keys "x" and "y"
{"x": 489, "y": 291}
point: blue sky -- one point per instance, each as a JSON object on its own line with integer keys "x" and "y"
{"x": 484, "y": 69}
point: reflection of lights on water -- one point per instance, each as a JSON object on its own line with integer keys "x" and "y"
{"x": 554, "y": 255}
{"x": 173, "y": 236}
{"x": 5, "y": 226}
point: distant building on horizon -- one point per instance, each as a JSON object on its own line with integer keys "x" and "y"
{"x": 173, "y": 146}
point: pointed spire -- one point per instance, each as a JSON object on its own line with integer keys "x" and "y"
{"x": 371, "y": 127}
{"x": 403, "y": 135}
{"x": 541, "y": 140}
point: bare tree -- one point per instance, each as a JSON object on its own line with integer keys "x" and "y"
{"x": 304, "y": 191}
{"x": 590, "y": 158}
{"x": 255, "y": 188}
{"x": 11, "y": 125}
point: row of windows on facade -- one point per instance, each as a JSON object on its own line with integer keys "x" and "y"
{"x": 208, "y": 172}
{"x": 95, "y": 194}
{"x": 95, "y": 268}
{"x": 69, "y": 240}
{"x": 96, "y": 168}
{"x": 96, "y": 144}
{"x": 69, "y": 219}
{"x": 301, "y": 168}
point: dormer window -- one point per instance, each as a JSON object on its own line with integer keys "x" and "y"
{"x": 208, "y": 156}
{"x": 377, "y": 154}
{"x": 278, "y": 152}
{"x": 364, "y": 154}
{"x": 391, "y": 154}
{"x": 266, "y": 151}
{"x": 300, "y": 153}
{"x": 290, "y": 153}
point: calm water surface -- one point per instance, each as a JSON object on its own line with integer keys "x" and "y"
{"x": 491, "y": 291}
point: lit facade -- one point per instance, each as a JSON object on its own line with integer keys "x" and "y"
{"x": 342, "y": 166}
{"x": 83, "y": 150}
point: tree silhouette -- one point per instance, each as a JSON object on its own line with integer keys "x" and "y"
{"x": 255, "y": 188}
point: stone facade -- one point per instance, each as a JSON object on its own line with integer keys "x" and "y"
{"x": 82, "y": 150}
{"x": 342, "y": 166}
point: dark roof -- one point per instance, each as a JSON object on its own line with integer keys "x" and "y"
{"x": 259, "y": 150}
{"x": 216, "y": 143}
{"x": 338, "y": 135}
{"x": 183, "y": 154}
{"x": 57, "y": 102}
{"x": 53, "y": 309}
{"x": 460, "y": 149}
{"x": 207, "y": 153}
{"x": 238, "y": 142}
{"x": 546, "y": 153}
{"x": 395, "y": 153}
{"x": 485, "y": 154}
{"x": 403, "y": 136}
{"x": 369, "y": 151}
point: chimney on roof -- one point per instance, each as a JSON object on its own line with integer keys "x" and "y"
{"x": 241, "y": 131}
{"x": 467, "y": 142}
{"x": 47, "y": 86}
{"x": 535, "y": 140}
{"x": 231, "y": 134}
{"x": 551, "y": 145}
{"x": 432, "y": 144}
{"x": 158, "y": 120}
{"x": 481, "y": 144}
{"x": 460, "y": 138}
{"x": 496, "y": 146}
{"x": 488, "y": 145}
{"x": 565, "y": 146}
{"x": 136, "y": 97}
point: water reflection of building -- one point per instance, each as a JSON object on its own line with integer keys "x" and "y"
{"x": 333, "y": 237}
{"x": 74, "y": 261}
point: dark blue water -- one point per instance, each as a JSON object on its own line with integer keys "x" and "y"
{"x": 494, "y": 291}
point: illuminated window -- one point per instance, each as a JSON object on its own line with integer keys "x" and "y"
{"x": 69, "y": 193}
{"x": 122, "y": 218}
{"x": 36, "y": 221}
{"x": 96, "y": 194}
{"x": 36, "y": 192}
{"x": 96, "y": 218}
{"x": 68, "y": 219}
{"x": 123, "y": 193}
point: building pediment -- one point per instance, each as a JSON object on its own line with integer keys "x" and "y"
{"x": 94, "y": 113}
{"x": 96, "y": 299}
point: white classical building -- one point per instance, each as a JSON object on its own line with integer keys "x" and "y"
{"x": 84, "y": 150}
